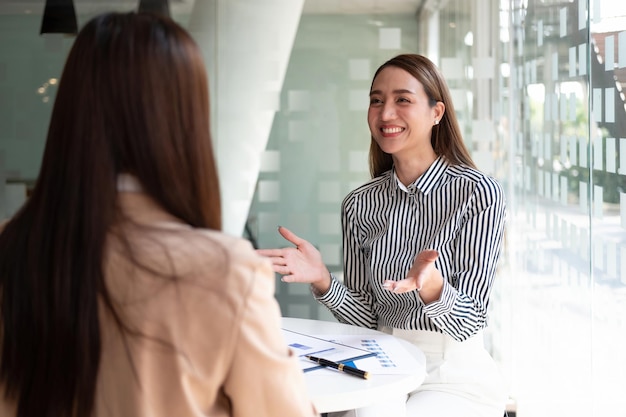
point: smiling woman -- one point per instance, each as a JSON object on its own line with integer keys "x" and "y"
{"x": 421, "y": 243}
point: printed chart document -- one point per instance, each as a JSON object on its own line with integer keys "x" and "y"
{"x": 336, "y": 351}
{"x": 389, "y": 356}
{"x": 377, "y": 354}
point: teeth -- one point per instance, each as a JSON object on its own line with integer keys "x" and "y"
{"x": 392, "y": 129}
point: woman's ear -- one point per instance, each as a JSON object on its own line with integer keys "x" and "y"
{"x": 440, "y": 109}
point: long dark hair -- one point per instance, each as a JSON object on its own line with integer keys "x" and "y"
{"x": 446, "y": 137}
{"x": 133, "y": 98}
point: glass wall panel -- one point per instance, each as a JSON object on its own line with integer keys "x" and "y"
{"x": 552, "y": 108}
{"x": 566, "y": 258}
{"x": 607, "y": 206}
{"x": 550, "y": 215}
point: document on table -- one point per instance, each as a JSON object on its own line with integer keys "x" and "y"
{"x": 336, "y": 351}
{"x": 390, "y": 357}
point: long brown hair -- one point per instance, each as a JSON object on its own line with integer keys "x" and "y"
{"x": 446, "y": 137}
{"x": 133, "y": 98}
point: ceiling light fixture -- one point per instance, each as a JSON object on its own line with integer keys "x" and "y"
{"x": 155, "y": 6}
{"x": 59, "y": 16}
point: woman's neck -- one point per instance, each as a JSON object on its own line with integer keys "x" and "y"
{"x": 410, "y": 169}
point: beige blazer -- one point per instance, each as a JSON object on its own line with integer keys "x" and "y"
{"x": 205, "y": 336}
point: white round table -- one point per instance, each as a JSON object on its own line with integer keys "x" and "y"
{"x": 334, "y": 391}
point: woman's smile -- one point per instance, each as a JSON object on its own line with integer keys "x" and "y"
{"x": 391, "y": 131}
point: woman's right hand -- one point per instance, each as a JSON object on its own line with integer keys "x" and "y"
{"x": 300, "y": 264}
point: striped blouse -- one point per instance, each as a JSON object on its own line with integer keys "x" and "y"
{"x": 453, "y": 209}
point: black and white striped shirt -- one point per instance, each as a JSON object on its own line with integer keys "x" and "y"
{"x": 453, "y": 209}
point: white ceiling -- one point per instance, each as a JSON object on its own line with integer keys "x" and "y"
{"x": 183, "y": 6}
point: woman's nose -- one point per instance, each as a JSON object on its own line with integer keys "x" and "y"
{"x": 388, "y": 112}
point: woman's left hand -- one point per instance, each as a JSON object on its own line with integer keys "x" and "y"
{"x": 423, "y": 277}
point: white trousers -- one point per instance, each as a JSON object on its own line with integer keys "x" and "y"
{"x": 462, "y": 380}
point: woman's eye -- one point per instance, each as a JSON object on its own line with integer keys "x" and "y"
{"x": 375, "y": 101}
{"x": 403, "y": 100}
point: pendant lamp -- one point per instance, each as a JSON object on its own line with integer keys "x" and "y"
{"x": 155, "y": 6}
{"x": 59, "y": 16}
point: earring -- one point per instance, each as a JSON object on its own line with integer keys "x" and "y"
{"x": 436, "y": 121}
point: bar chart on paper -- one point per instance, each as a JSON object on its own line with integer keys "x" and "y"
{"x": 311, "y": 345}
{"x": 390, "y": 357}
{"x": 379, "y": 354}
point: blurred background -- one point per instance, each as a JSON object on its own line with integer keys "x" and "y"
{"x": 538, "y": 87}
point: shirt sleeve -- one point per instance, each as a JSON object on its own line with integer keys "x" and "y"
{"x": 351, "y": 302}
{"x": 265, "y": 379}
{"x": 461, "y": 311}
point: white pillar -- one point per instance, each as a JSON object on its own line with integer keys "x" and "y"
{"x": 246, "y": 46}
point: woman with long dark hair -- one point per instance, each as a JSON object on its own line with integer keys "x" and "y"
{"x": 118, "y": 294}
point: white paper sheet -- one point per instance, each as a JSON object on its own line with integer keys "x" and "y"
{"x": 391, "y": 357}
{"x": 322, "y": 347}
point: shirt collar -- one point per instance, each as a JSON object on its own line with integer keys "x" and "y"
{"x": 425, "y": 182}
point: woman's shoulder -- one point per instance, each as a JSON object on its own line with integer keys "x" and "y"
{"x": 373, "y": 185}
{"x": 206, "y": 257}
{"x": 237, "y": 246}
{"x": 201, "y": 246}
{"x": 170, "y": 246}
{"x": 481, "y": 180}
{"x": 227, "y": 264}
{"x": 237, "y": 251}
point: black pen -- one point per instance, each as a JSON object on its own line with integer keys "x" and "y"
{"x": 340, "y": 367}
